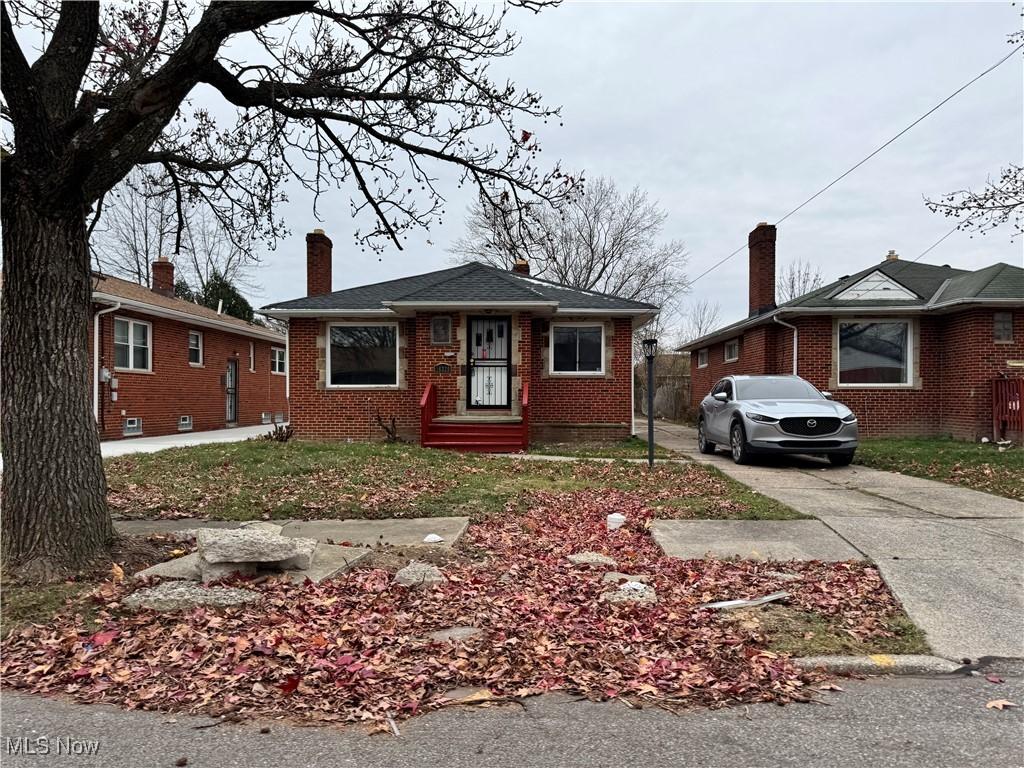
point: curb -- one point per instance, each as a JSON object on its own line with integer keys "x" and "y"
{"x": 879, "y": 664}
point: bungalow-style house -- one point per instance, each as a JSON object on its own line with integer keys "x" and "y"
{"x": 472, "y": 357}
{"x": 913, "y": 349}
{"x": 162, "y": 365}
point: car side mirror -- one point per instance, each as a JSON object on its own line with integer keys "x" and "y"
{"x": 827, "y": 395}
{"x": 721, "y": 397}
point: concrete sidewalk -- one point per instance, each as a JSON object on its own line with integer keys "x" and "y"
{"x": 952, "y": 555}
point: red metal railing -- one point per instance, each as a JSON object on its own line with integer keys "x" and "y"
{"x": 1007, "y": 406}
{"x": 525, "y": 413}
{"x": 428, "y": 410}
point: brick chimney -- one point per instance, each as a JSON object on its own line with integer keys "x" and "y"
{"x": 892, "y": 256}
{"x": 318, "y": 263}
{"x": 522, "y": 266}
{"x": 162, "y": 275}
{"x": 761, "y": 243}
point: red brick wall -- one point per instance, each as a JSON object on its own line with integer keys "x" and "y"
{"x": 349, "y": 414}
{"x": 568, "y": 403}
{"x": 557, "y": 403}
{"x": 956, "y": 359}
{"x": 175, "y": 388}
{"x": 971, "y": 358}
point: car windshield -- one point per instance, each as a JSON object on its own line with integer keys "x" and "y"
{"x": 775, "y": 389}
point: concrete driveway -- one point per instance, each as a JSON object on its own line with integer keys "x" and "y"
{"x": 953, "y": 555}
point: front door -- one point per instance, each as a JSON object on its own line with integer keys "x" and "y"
{"x": 231, "y": 392}
{"x": 489, "y": 351}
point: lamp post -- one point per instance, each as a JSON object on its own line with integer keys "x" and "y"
{"x": 650, "y": 351}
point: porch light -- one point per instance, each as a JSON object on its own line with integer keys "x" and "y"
{"x": 650, "y": 348}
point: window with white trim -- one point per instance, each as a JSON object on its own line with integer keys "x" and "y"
{"x": 132, "y": 344}
{"x": 362, "y": 355}
{"x": 577, "y": 348}
{"x": 1002, "y": 327}
{"x": 131, "y": 426}
{"x": 732, "y": 350}
{"x": 875, "y": 353}
{"x": 702, "y": 358}
{"x": 184, "y": 423}
{"x": 252, "y": 356}
{"x": 195, "y": 348}
{"x": 277, "y": 359}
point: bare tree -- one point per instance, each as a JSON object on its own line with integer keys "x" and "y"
{"x": 797, "y": 278}
{"x": 1000, "y": 202}
{"x": 599, "y": 240}
{"x": 367, "y": 95}
{"x": 137, "y": 227}
{"x": 699, "y": 318}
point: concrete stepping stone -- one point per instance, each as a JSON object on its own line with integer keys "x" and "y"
{"x": 455, "y": 634}
{"x": 752, "y": 540}
{"x": 417, "y": 574}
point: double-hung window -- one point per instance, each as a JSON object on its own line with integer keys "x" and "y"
{"x": 577, "y": 349}
{"x": 702, "y": 358}
{"x": 732, "y": 350}
{"x": 362, "y": 355}
{"x": 195, "y": 348}
{"x": 277, "y": 360}
{"x": 875, "y": 353}
{"x": 132, "y": 344}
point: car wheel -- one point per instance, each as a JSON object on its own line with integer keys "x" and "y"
{"x": 738, "y": 444}
{"x": 840, "y": 459}
{"x": 703, "y": 444}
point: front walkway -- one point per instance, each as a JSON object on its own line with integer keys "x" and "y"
{"x": 953, "y": 555}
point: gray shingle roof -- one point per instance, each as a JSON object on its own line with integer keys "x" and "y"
{"x": 468, "y": 283}
{"x": 933, "y": 286}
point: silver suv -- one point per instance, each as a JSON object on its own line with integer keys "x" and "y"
{"x": 775, "y": 414}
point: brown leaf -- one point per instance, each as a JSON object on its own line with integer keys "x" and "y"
{"x": 1000, "y": 704}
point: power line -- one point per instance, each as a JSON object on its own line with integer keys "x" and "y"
{"x": 854, "y": 167}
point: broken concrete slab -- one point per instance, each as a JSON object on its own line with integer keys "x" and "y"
{"x": 329, "y": 560}
{"x": 455, "y": 634}
{"x": 752, "y": 539}
{"x": 303, "y": 557}
{"x": 186, "y": 568}
{"x": 263, "y": 525}
{"x": 179, "y": 595}
{"x": 631, "y": 592}
{"x": 614, "y": 577}
{"x": 417, "y": 574}
{"x": 591, "y": 558}
{"x": 214, "y": 571}
{"x": 248, "y": 545}
{"x": 368, "y": 533}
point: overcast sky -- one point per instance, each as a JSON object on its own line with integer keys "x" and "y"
{"x": 733, "y": 114}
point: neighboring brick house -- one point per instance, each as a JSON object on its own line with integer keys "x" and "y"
{"x": 470, "y": 357}
{"x": 912, "y": 348}
{"x": 162, "y": 365}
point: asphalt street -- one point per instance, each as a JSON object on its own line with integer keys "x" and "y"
{"x": 905, "y": 722}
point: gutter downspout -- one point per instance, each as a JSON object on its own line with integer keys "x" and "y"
{"x": 96, "y": 359}
{"x": 795, "y": 339}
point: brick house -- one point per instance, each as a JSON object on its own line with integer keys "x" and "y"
{"x": 162, "y": 365}
{"x": 471, "y": 357}
{"x": 911, "y": 348}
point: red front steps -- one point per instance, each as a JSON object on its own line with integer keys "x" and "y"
{"x": 475, "y": 435}
{"x": 480, "y": 432}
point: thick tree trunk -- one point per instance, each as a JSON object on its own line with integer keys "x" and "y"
{"x": 55, "y": 520}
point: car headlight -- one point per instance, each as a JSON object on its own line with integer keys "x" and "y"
{"x": 761, "y": 418}
{"x": 849, "y": 419}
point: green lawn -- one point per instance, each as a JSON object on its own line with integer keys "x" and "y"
{"x": 252, "y": 480}
{"x": 975, "y": 465}
{"x": 630, "y": 448}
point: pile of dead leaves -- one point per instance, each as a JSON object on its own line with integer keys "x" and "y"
{"x": 356, "y": 648}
